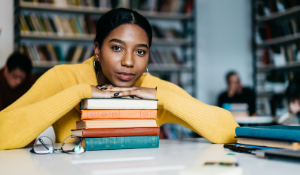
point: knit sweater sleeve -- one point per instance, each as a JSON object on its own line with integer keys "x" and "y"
{"x": 39, "y": 108}
{"x": 213, "y": 123}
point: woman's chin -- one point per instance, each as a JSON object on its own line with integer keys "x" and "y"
{"x": 123, "y": 83}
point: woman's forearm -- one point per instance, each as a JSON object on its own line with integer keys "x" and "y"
{"x": 214, "y": 123}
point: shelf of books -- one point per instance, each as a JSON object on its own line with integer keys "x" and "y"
{"x": 54, "y": 32}
{"x": 276, "y": 41}
{"x": 103, "y": 6}
{"x": 265, "y": 14}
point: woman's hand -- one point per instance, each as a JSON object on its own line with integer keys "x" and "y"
{"x": 126, "y": 92}
{"x": 103, "y": 93}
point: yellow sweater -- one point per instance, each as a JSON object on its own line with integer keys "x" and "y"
{"x": 54, "y": 98}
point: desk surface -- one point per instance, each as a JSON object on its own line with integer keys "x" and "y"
{"x": 172, "y": 157}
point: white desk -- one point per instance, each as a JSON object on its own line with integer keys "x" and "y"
{"x": 171, "y": 157}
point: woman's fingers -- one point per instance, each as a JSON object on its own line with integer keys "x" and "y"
{"x": 108, "y": 87}
{"x": 130, "y": 93}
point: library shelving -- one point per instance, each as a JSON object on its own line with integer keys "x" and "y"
{"x": 276, "y": 52}
{"x": 55, "y": 32}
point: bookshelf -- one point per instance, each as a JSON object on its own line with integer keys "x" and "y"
{"x": 276, "y": 52}
{"x": 41, "y": 30}
{"x": 94, "y": 10}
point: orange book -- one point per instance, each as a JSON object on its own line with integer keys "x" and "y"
{"x": 118, "y": 114}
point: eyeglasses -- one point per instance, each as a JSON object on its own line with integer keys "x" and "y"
{"x": 44, "y": 145}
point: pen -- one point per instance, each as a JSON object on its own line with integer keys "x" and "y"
{"x": 240, "y": 149}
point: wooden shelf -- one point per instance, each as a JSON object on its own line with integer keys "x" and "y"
{"x": 276, "y": 16}
{"x": 281, "y": 40}
{"x": 93, "y": 10}
{"x": 151, "y": 67}
{"x": 45, "y": 36}
{"x": 289, "y": 66}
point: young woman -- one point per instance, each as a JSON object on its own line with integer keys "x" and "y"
{"x": 121, "y": 53}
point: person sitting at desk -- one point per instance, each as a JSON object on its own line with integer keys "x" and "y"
{"x": 293, "y": 95}
{"x": 121, "y": 53}
{"x": 15, "y": 79}
{"x": 236, "y": 93}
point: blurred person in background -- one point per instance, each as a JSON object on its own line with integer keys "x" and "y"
{"x": 15, "y": 79}
{"x": 293, "y": 95}
{"x": 236, "y": 93}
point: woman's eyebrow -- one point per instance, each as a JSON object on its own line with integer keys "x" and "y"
{"x": 123, "y": 42}
{"x": 142, "y": 45}
{"x": 117, "y": 40}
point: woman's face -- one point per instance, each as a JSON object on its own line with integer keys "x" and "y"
{"x": 124, "y": 55}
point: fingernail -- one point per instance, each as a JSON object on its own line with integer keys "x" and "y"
{"x": 116, "y": 94}
{"x": 103, "y": 89}
{"x": 131, "y": 96}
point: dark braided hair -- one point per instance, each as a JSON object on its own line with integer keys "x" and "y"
{"x": 116, "y": 17}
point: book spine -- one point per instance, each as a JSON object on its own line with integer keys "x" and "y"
{"x": 118, "y": 114}
{"x": 279, "y": 134}
{"x": 104, "y": 143}
{"x": 120, "y": 132}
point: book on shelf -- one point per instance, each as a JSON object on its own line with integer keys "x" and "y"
{"x": 116, "y": 132}
{"x": 68, "y": 26}
{"x": 278, "y": 29}
{"x": 104, "y": 143}
{"x": 281, "y": 55}
{"x": 120, "y": 114}
{"x": 170, "y": 33}
{"x": 269, "y": 7}
{"x": 53, "y": 54}
{"x": 165, "y": 6}
{"x": 118, "y": 103}
{"x": 269, "y": 143}
{"x": 164, "y": 57}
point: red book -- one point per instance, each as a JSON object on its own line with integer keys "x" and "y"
{"x": 116, "y": 132}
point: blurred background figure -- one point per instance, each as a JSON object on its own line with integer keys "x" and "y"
{"x": 236, "y": 93}
{"x": 15, "y": 79}
{"x": 293, "y": 96}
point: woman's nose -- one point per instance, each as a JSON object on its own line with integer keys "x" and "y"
{"x": 128, "y": 60}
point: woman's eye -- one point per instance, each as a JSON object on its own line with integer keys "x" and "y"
{"x": 141, "y": 52}
{"x": 117, "y": 48}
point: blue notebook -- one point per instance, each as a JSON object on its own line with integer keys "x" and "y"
{"x": 277, "y": 132}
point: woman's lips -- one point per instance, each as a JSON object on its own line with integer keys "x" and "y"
{"x": 125, "y": 76}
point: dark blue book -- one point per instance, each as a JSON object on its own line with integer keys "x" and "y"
{"x": 277, "y": 132}
{"x": 103, "y": 143}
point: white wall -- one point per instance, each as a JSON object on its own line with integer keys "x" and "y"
{"x": 223, "y": 44}
{"x": 6, "y": 36}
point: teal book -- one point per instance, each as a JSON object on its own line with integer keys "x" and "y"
{"x": 103, "y": 143}
{"x": 275, "y": 132}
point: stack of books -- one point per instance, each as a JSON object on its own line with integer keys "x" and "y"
{"x": 276, "y": 136}
{"x": 237, "y": 109}
{"x": 118, "y": 123}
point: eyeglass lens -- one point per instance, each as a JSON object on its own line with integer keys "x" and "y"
{"x": 69, "y": 147}
{"x": 43, "y": 145}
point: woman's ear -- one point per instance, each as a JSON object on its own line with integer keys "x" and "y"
{"x": 97, "y": 51}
